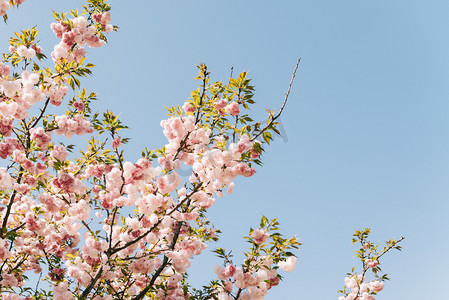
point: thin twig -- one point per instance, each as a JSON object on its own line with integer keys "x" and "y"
{"x": 41, "y": 114}
{"x": 283, "y": 104}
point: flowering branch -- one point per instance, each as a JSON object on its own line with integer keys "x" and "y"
{"x": 370, "y": 259}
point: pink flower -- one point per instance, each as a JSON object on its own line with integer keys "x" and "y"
{"x": 106, "y": 18}
{"x": 220, "y": 104}
{"x": 79, "y": 105}
{"x": 229, "y": 271}
{"x": 366, "y": 296}
{"x": 79, "y": 54}
{"x": 21, "y": 50}
{"x": 4, "y": 70}
{"x": 288, "y": 265}
{"x": 6, "y": 181}
{"x": 274, "y": 281}
{"x": 254, "y": 154}
{"x": 6, "y": 149}
{"x": 376, "y": 286}
{"x": 30, "y": 53}
{"x": 188, "y": 108}
{"x": 6, "y": 125}
{"x": 259, "y": 236}
{"x": 116, "y": 142}
{"x": 26, "y": 52}
{"x": 219, "y": 271}
{"x": 10, "y": 88}
{"x": 41, "y": 137}
{"x": 65, "y": 182}
{"x": 372, "y": 264}
{"x": 233, "y": 109}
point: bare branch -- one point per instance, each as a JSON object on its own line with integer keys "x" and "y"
{"x": 283, "y": 104}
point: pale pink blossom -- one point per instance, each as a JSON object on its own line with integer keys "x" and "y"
{"x": 59, "y": 152}
{"x": 116, "y": 142}
{"x": 220, "y": 104}
{"x": 6, "y": 181}
{"x": 232, "y": 109}
{"x": 376, "y": 286}
{"x": 288, "y": 265}
{"x": 371, "y": 263}
{"x": 260, "y": 236}
{"x": 188, "y": 108}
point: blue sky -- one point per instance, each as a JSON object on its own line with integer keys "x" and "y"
{"x": 366, "y": 126}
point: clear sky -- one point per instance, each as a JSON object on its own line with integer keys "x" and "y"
{"x": 366, "y": 126}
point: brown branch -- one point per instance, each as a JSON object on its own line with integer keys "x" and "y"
{"x": 163, "y": 265}
{"x": 92, "y": 284}
{"x": 115, "y": 250}
{"x": 238, "y": 294}
{"x": 283, "y": 104}
{"x": 41, "y": 114}
{"x": 11, "y": 201}
{"x": 237, "y": 116}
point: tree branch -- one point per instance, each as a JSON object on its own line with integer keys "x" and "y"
{"x": 283, "y": 104}
{"x": 163, "y": 265}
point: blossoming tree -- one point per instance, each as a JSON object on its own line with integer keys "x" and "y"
{"x": 95, "y": 226}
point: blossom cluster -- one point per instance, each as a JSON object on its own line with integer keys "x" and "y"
{"x": 360, "y": 290}
{"x": 17, "y": 96}
{"x": 52, "y": 203}
{"x": 357, "y": 287}
{"x": 76, "y": 33}
{"x": 256, "y": 282}
{"x": 6, "y": 4}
